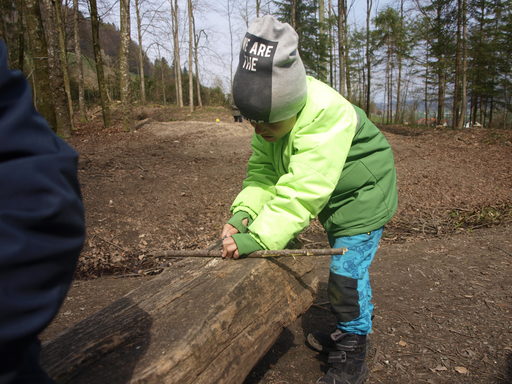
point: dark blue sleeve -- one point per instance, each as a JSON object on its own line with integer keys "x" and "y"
{"x": 42, "y": 224}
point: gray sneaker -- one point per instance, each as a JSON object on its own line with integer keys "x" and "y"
{"x": 347, "y": 363}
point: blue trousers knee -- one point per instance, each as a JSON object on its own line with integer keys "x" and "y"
{"x": 349, "y": 287}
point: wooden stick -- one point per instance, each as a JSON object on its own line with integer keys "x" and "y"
{"x": 257, "y": 254}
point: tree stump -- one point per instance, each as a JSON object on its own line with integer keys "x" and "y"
{"x": 201, "y": 321}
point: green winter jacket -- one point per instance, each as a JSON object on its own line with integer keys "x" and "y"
{"x": 334, "y": 163}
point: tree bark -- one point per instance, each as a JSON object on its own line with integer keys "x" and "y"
{"x": 21, "y": 37}
{"x": 346, "y": 53}
{"x": 60, "y": 100}
{"x": 196, "y": 61}
{"x": 42, "y": 89}
{"x": 64, "y": 57}
{"x": 398, "y": 118}
{"x": 368, "y": 67}
{"x": 322, "y": 39}
{"x": 341, "y": 45}
{"x": 141, "y": 55}
{"x": 209, "y": 321}
{"x": 95, "y": 27}
{"x": 464, "y": 67}
{"x": 78, "y": 60}
{"x": 177, "y": 64}
{"x": 190, "y": 58}
{"x": 458, "y": 54}
{"x": 124, "y": 66}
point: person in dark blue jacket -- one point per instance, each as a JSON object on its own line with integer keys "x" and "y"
{"x": 42, "y": 227}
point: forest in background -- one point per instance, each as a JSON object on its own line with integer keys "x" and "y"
{"x": 447, "y": 61}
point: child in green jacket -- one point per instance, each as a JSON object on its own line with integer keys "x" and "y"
{"x": 314, "y": 154}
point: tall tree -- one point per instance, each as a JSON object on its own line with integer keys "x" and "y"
{"x": 42, "y": 89}
{"x": 322, "y": 39}
{"x": 57, "y": 5}
{"x": 369, "y": 4}
{"x": 21, "y": 37}
{"x": 387, "y": 24}
{"x": 341, "y": 44}
{"x": 124, "y": 66}
{"x": 196, "y": 61}
{"x": 460, "y": 122}
{"x": 141, "y": 55}
{"x": 95, "y": 27}
{"x": 78, "y": 61}
{"x": 190, "y": 57}
{"x": 302, "y": 14}
{"x": 177, "y": 64}
{"x": 60, "y": 100}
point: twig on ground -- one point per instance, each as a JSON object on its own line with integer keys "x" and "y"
{"x": 112, "y": 244}
{"x": 492, "y": 246}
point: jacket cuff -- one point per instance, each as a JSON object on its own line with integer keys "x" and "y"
{"x": 236, "y": 221}
{"x": 246, "y": 244}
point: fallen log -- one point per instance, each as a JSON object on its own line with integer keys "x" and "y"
{"x": 202, "y": 321}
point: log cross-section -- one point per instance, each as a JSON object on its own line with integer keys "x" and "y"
{"x": 201, "y": 321}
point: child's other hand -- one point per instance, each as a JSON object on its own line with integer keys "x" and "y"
{"x": 228, "y": 230}
{"x": 229, "y": 249}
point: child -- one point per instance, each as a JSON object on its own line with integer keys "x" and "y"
{"x": 314, "y": 154}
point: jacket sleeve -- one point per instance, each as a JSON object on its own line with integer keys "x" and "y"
{"x": 42, "y": 225}
{"x": 320, "y": 143}
{"x": 259, "y": 187}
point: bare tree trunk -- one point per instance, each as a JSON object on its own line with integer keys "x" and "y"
{"x": 258, "y": 5}
{"x": 163, "y": 78}
{"x": 21, "y": 37}
{"x": 42, "y": 89}
{"x": 346, "y": 52}
{"x": 99, "y": 63}
{"x": 64, "y": 58}
{"x": 399, "y": 82}
{"x": 124, "y": 67}
{"x": 177, "y": 64}
{"x": 368, "y": 68}
{"x": 190, "y": 58}
{"x": 79, "y": 67}
{"x": 141, "y": 55}
{"x": 464, "y": 66}
{"x": 293, "y": 14}
{"x": 341, "y": 45}
{"x": 59, "y": 96}
{"x": 321, "y": 19}
{"x": 196, "y": 61}
{"x": 330, "y": 47}
{"x": 458, "y": 54}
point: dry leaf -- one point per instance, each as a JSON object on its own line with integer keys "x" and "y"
{"x": 461, "y": 370}
{"x": 440, "y": 368}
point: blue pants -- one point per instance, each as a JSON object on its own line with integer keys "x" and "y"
{"x": 349, "y": 288}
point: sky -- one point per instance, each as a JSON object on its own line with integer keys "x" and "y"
{"x": 219, "y": 46}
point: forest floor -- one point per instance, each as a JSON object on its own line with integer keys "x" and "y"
{"x": 441, "y": 277}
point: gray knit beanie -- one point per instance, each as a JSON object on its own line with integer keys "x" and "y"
{"x": 270, "y": 81}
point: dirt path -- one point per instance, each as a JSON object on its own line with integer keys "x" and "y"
{"x": 442, "y": 295}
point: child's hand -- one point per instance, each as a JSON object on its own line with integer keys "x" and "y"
{"x": 229, "y": 249}
{"x": 228, "y": 230}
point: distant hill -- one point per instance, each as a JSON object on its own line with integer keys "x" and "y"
{"x": 109, "y": 42}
